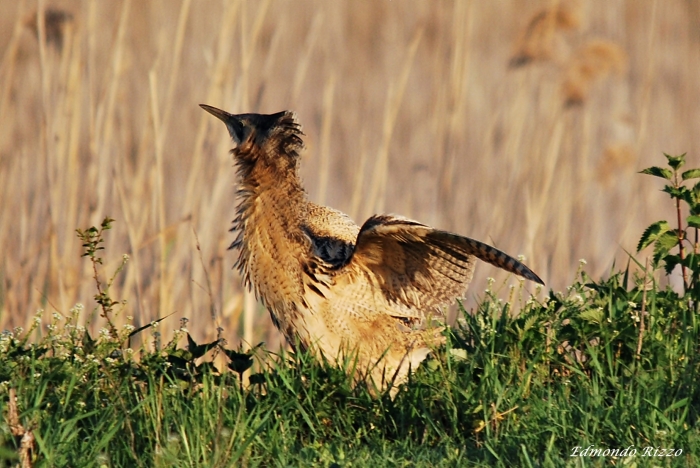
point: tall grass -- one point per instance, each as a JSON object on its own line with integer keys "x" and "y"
{"x": 408, "y": 108}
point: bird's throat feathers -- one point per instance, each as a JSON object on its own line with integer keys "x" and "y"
{"x": 270, "y": 193}
{"x": 269, "y": 170}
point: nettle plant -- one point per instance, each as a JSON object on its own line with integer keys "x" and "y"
{"x": 679, "y": 246}
{"x": 113, "y": 346}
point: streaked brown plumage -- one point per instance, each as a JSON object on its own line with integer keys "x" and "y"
{"x": 330, "y": 285}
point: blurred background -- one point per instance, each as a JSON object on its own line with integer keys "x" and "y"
{"x": 516, "y": 122}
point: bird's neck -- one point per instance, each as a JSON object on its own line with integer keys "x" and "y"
{"x": 268, "y": 201}
{"x": 268, "y": 191}
{"x": 269, "y": 211}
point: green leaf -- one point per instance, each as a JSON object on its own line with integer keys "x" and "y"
{"x": 658, "y": 172}
{"x": 258, "y": 378}
{"x": 182, "y": 353}
{"x": 199, "y": 350}
{"x": 177, "y": 361}
{"x": 675, "y": 161}
{"x": 592, "y": 315}
{"x": 664, "y": 244}
{"x": 240, "y": 362}
{"x": 675, "y": 192}
{"x": 693, "y": 221}
{"x": 691, "y": 174}
{"x": 652, "y": 233}
{"x": 107, "y": 223}
{"x": 88, "y": 343}
{"x": 668, "y": 239}
{"x": 689, "y": 196}
{"x": 670, "y": 263}
{"x": 691, "y": 261}
{"x": 693, "y": 199}
{"x": 207, "y": 367}
{"x": 459, "y": 354}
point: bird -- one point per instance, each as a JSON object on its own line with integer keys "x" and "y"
{"x": 375, "y": 294}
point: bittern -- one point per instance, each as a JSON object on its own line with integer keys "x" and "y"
{"x": 378, "y": 291}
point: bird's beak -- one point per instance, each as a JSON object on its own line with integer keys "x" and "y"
{"x": 235, "y": 126}
{"x": 218, "y": 113}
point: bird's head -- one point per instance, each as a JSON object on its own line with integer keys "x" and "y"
{"x": 273, "y": 139}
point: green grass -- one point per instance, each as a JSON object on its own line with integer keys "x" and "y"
{"x": 607, "y": 365}
{"x": 506, "y": 391}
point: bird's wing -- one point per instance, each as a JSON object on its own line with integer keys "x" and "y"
{"x": 331, "y": 233}
{"x": 421, "y": 267}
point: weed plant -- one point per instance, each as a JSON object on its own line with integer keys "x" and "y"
{"x": 605, "y": 365}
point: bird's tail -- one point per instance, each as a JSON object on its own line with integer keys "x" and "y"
{"x": 492, "y": 255}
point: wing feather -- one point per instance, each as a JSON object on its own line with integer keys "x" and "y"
{"x": 421, "y": 267}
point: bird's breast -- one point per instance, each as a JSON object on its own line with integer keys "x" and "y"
{"x": 271, "y": 252}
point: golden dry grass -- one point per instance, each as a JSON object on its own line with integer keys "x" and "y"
{"x": 408, "y": 107}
